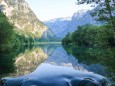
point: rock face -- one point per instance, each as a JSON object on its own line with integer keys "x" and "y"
{"x": 19, "y": 13}
{"x": 62, "y": 26}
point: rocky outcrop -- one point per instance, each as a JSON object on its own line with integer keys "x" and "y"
{"x": 20, "y": 14}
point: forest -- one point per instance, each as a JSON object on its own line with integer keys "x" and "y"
{"x": 90, "y": 35}
{"x": 95, "y": 35}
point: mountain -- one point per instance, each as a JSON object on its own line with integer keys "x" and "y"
{"x": 81, "y": 17}
{"x": 23, "y": 18}
{"x": 61, "y": 26}
{"x": 58, "y": 25}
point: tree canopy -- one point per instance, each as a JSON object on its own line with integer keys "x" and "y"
{"x": 105, "y": 10}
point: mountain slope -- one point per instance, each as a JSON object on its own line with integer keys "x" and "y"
{"x": 20, "y": 14}
{"x": 58, "y": 25}
{"x": 80, "y": 18}
{"x": 61, "y": 28}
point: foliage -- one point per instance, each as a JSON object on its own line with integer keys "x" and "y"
{"x": 67, "y": 39}
{"x": 9, "y": 45}
{"x": 89, "y": 35}
{"x": 7, "y": 58}
{"x": 104, "y": 12}
{"x": 9, "y": 37}
{"x": 6, "y": 31}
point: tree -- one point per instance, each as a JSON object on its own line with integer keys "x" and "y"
{"x": 7, "y": 34}
{"x": 105, "y": 10}
{"x": 67, "y": 39}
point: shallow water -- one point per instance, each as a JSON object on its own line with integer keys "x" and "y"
{"x": 53, "y": 62}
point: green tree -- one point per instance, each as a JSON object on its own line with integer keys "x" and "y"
{"x": 90, "y": 35}
{"x": 104, "y": 12}
{"x": 67, "y": 40}
{"x": 9, "y": 37}
{"x": 7, "y": 34}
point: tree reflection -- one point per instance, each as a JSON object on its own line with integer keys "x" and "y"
{"x": 7, "y": 59}
{"x": 95, "y": 55}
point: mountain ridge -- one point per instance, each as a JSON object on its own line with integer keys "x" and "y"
{"x": 20, "y": 14}
{"x": 58, "y": 24}
{"x": 61, "y": 28}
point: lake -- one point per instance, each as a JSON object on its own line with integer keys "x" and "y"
{"x": 26, "y": 61}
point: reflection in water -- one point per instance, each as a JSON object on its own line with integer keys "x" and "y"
{"x": 80, "y": 59}
{"x": 48, "y": 48}
{"x": 60, "y": 57}
{"x": 7, "y": 59}
{"x": 52, "y": 75}
{"x": 98, "y": 60}
{"x": 24, "y": 59}
{"x": 27, "y": 62}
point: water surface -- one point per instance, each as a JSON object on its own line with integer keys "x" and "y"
{"x": 24, "y": 61}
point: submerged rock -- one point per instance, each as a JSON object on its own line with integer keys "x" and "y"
{"x": 51, "y": 75}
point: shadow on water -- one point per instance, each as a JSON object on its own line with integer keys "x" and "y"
{"x": 103, "y": 57}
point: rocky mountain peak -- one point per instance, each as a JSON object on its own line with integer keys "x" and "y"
{"x": 24, "y": 19}
{"x": 79, "y": 18}
{"x": 80, "y": 13}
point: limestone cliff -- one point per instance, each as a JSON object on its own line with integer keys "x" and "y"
{"x": 20, "y": 14}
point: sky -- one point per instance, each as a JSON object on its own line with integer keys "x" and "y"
{"x": 50, "y": 9}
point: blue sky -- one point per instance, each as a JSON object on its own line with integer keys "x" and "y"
{"x": 49, "y": 9}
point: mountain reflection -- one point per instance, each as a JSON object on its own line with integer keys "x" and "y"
{"x": 24, "y": 60}
{"x": 27, "y": 62}
{"x": 95, "y": 59}
{"x": 7, "y": 59}
{"x": 79, "y": 58}
{"x": 61, "y": 58}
